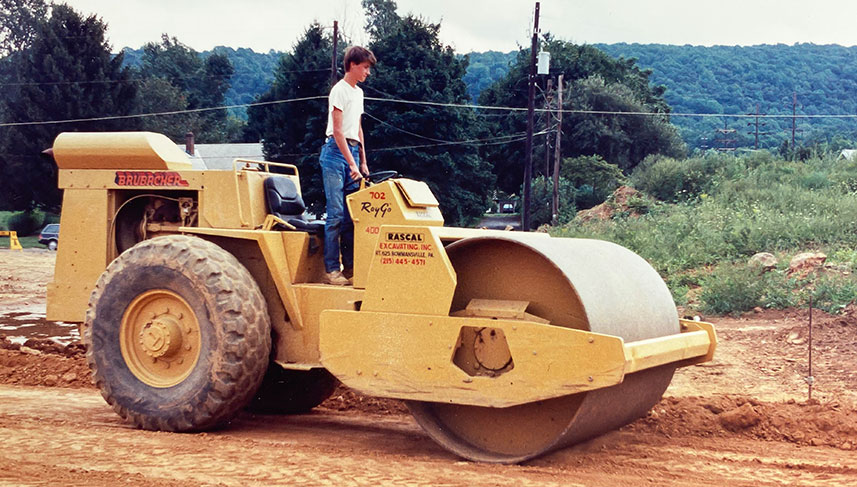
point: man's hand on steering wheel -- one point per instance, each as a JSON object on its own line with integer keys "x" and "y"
{"x": 380, "y": 176}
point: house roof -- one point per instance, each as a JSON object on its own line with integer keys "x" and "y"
{"x": 848, "y": 153}
{"x": 219, "y": 157}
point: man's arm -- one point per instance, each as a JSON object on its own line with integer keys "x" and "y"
{"x": 339, "y": 137}
{"x": 364, "y": 167}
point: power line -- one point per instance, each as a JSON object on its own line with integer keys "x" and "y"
{"x": 438, "y": 104}
{"x": 140, "y": 80}
{"x": 501, "y": 139}
{"x": 608, "y": 112}
{"x": 475, "y": 142}
{"x": 401, "y": 129}
{"x": 158, "y": 114}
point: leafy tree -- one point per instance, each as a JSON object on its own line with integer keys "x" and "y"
{"x": 65, "y": 71}
{"x": 593, "y": 177}
{"x": 202, "y": 82}
{"x": 414, "y": 65}
{"x": 159, "y": 95}
{"x": 253, "y": 75}
{"x": 19, "y": 21}
{"x": 596, "y": 82}
{"x": 381, "y": 17}
{"x": 622, "y": 140}
{"x": 542, "y": 198}
{"x": 294, "y": 132}
{"x": 484, "y": 69}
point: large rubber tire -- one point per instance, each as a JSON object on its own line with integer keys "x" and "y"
{"x": 222, "y": 306}
{"x": 292, "y": 391}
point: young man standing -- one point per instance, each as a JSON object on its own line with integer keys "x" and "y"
{"x": 343, "y": 159}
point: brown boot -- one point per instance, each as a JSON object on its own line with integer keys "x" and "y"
{"x": 348, "y": 273}
{"x": 336, "y": 278}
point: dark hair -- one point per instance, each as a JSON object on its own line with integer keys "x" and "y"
{"x": 357, "y": 55}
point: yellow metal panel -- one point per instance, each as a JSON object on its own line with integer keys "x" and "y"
{"x": 645, "y": 354}
{"x": 374, "y": 206}
{"x": 82, "y": 254}
{"x": 409, "y": 272}
{"x": 498, "y": 308}
{"x": 408, "y": 356}
{"x": 417, "y": 193}
{"x": 127, "y": 179}
{"x": 303, "y": 265}
{"x": 233, "y": 199}
{"x": 118, "y": 150}
{"x": 298, "y": 348}
{"x": 688, "y": 326}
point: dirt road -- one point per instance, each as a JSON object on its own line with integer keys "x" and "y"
{"x": 742, "y": 419}
{"x": 54, "y": 436}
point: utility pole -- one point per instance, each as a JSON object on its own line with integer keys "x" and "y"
{"x": 756, "y": 123}
{"x": 528, "y": 156}
{"x": 725, "y": 143}
{"x": 794, "y": 117}
{"x": 333, "y": 57}
{"x": 555, "y": 200}
{"x": 548, "y": 102}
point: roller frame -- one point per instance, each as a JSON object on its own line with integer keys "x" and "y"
{"x": 406, "y": 356}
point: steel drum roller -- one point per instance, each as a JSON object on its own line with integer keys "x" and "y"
{"x": 577, "y": 283}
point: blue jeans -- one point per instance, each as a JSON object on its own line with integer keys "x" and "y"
{"x": 338, "y": 227}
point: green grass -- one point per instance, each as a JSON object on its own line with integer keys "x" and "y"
{"x": 720, "y": 210}
{"x": 31, "y": 242}
{"x": 3, "y": 216}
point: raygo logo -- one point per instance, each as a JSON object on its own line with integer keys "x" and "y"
{"x": 148, "y": 178}
{"x": 404, "y": 237}
{"x": 377, "y": 211}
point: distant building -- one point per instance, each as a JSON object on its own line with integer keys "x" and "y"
{"x": 219, "y": 157}
{"x": 848, "y": 154}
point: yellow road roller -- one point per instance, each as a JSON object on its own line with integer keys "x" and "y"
{"x": 200, "y": 293}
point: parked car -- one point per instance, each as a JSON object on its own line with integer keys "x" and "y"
{"x": 50, "y": 236}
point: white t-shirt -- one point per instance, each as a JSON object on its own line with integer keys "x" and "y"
{"x": 350, "y": 100}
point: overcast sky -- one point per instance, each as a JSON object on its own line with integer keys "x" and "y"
{"x": 482, "y": 25}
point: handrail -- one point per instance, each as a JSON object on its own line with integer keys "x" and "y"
{"x": 266, "y": 164}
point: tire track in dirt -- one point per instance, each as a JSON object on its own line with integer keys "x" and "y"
{"x": 92, "y": 438}
{"x": 72, "y": 437}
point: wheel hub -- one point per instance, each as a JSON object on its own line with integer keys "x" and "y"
{"x": 491, "y": 350}
{"x": 160, "y": 338}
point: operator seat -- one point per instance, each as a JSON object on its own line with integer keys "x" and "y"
{"x": 285, "y": 203}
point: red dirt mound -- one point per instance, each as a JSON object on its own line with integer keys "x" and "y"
{"x": 344, "y": 399}
{"x": 43, "y": 363}
{"x": 809, "y": 423}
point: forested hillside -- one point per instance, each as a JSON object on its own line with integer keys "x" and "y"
{"x": 719, "y": 79}
{"x": 254, "y": 72}
{"x": 733, "y": 79}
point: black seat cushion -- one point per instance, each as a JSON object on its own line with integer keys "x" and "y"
{"x": 315, "y": 228}
{"x": 283, "y": 198}
{"x": 285, "y": 203}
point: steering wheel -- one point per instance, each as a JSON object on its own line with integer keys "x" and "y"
{"x": 381, "y": 176}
